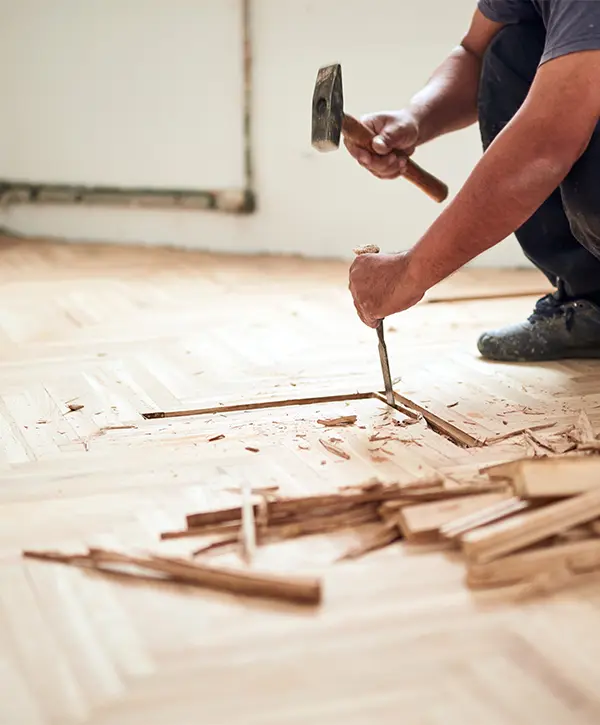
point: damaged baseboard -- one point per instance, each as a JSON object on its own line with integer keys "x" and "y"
{"x": 233, "y": 201}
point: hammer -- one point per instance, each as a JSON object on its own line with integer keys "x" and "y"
{"x": 329, "y": 122}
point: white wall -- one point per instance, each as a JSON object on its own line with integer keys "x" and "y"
{"x": 320, "y": 205}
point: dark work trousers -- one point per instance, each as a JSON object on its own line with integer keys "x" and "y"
{"x": 562, "y": 238}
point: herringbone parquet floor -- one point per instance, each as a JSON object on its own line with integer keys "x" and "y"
{"x": 399, "y": 638}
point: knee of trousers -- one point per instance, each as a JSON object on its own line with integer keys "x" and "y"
{"x": 581, "y": 198}
{"x": 508, "y": 69}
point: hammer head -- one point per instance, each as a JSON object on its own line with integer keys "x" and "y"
{"x": 328, "y": 108}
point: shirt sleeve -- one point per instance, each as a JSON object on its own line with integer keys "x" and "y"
{"x": 572, "y": 26}
{"x": 507, "y": 12}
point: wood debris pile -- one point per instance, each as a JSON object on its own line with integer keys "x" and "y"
{"x": 272, "y": 520}
{"x": 534, "y": 521}
{"x": 279, "y": 519}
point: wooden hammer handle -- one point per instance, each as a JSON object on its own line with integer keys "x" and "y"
{"x": 362, "y": 136}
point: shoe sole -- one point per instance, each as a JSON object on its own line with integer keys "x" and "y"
{"x": 573, "y": 355}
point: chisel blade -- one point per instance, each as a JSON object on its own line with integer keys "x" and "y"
{"x": 385, "y": 366}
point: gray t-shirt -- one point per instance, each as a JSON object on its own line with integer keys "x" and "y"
{"x": 571, "y": 25}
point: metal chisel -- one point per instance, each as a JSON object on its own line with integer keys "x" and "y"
{"x": 383, "y": 355}
{"x": 385, "y": 366}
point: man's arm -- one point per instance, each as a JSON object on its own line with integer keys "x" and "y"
{"x": 447, "y": 103}
{"x": 526, "y": 162}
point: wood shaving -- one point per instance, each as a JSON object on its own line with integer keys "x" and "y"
{"x": 585, "y": 432}
{"x": 367, "y": 249}
{"x": 334, "y": 449}
{"x": 555, "y": 444}
{"x": 404, "y": 423}
{"x": 334, "y": 422}
{"x": 118, "y": 427}
{"x": 378, "y": 437}
{"x": 73, "y": 407}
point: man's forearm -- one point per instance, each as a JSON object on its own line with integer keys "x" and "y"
{"x": 449, "y": 100}
{"x": 515, "y": 176}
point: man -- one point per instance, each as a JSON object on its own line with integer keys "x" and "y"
{"x": 529, "y": 72}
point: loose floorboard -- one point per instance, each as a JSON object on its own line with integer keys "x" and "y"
{"x": 93, "y": 337}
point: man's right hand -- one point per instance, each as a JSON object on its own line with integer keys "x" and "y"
{"x": 393, "y": 130}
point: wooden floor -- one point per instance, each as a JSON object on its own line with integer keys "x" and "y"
{"x": 399, "y": 638}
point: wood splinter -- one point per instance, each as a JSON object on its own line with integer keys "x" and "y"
{"x": 248, "y": 530}
{"x": 335, "y": 422}
{"x": 334, "y": 449}
{"x": 298, "y": 590}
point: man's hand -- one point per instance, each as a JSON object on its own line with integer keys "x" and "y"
{"x": 383, "y": 284}
{"x": 393, "y": 130}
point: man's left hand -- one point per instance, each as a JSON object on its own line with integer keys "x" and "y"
{"x": 383, "y": 284}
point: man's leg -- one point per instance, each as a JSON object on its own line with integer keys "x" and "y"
{"x": 581, "y": 199}
{"x": 554, "y": 237}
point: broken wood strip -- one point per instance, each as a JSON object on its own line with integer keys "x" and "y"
{"x": 207, "y": 530}
{"x": 443, "y": 494}
{"x": 590, "y": 446}
{"x": 291, "y": 589}
{"x": 576, "y": 558}
{"x": 118, "y": 427}
{"x": 321, "y": 525}
{"x": 248, "y": 528}
{"x": 283, "y": 507}
{"x": 425, "y": 520}
{"x": 514, "y": 433}
{"x": 301, "y": 590}
{"x": 386, "y": 536}
{"x": 408, "y": 412}
{"x": 553, "y": 477}
{"x": 556, "y": 446}
{"x": 367, "y": 514}
{"x": 216, "y": 546}
{"x": 458, "y": 436}
{"x": 496, "y": 540}
{"x": 264, "y": 405}
{"x": 497, "y": 512}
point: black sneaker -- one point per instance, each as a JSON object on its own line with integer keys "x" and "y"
{"x": 558, "y": 329}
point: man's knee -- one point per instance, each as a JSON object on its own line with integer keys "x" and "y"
{"x": 581, "y": 196}
{"x": 508, "y": 69}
